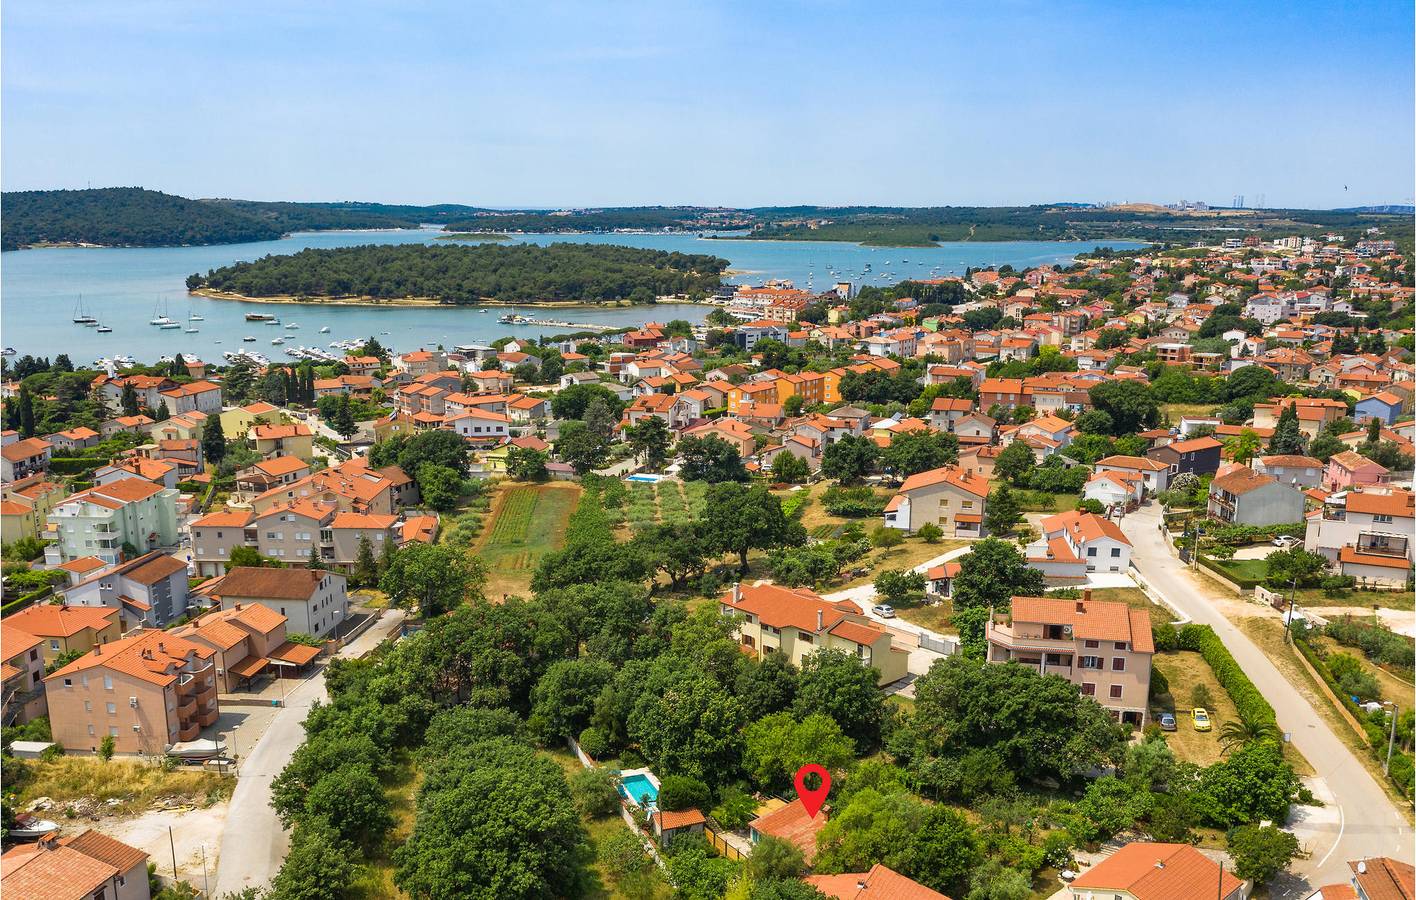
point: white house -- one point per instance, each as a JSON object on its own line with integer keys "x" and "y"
{"x": 1156, "y": 474}
{"x": 1075, "y": 543}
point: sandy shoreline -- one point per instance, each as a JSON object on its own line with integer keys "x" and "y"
{"x": 423, "y": 302}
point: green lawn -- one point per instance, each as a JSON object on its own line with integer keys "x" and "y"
{"x": 1243, "y": 569}
{"x": 527, "y": 521}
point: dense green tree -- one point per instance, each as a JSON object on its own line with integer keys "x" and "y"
{"x": 571, "y": 402}
{"x": 650, "y": 437}
{"x": 1015, "y": 463}
{"x": 1249, "y": 785}
{"x": 773, "y": 858}
{"x": 767, "y": 687}
{"x": 594, "y": 793}
{"x": 1002, "y": 512}
{"x": 366, "y": 565}
{"x": 128, "y": 399}
{"x": 564, "y": 698}
{"x": 526, "y": 463}
{"x": 1129, "y": 403}
{"x": 710, "y": 459}
{"x": 788, "y": 468}
{"x": 498, "y": 827}
{"x": 580, "y": 447}
{"x": 435, "y": 577}
{"x": 439, "y": 486}
{"x": 1287, "y": 438}
{"x": 738, "y": 519}
{"x": 319, "y": 866}
{"x": 833, "y": 683}
{"x": 992, "y": 573}
{"x": 849, "y": 459}
{"x": 776, "y": 746}
{"x": 213, "y": 439}
{"x": 1260, "y": 852}
{"x": 694, "y": 728}
{"x": 920, "y": 451}
{"x": 352, "y": 800}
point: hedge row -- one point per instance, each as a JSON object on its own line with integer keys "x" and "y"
{"x": 1248, "y": 701}
{"x": 1215, "y": 567}
{"x": 75, "y": 465}
{"x": 25, "y": 600}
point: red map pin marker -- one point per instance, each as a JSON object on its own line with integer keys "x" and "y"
{"x": 812, "y": 798}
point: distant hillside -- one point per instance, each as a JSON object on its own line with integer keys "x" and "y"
{"x": 135, "y": 217}
{"x": 121, "y": 217}
{"x": 1394, "y": 209}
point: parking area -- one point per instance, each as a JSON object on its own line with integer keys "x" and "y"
{"x": 1258, "y": 551}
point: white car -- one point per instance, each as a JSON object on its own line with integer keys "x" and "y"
{"x": 883, "y": 610}
{"x": 1285, "y": 541}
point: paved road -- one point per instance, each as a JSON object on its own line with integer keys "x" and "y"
{"x": 254, "y": 844}
{"x": 1367, "y": 823}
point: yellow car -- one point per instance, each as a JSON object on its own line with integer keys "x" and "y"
{"x": 1201, "y": 717}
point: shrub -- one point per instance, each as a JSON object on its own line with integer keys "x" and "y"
{"x": 930, "y": 533}
{"x": 886, "y": 537}
{"x": 1382, "y": 645}
{"x": 594, "y": 793}
{"x": 852, "y": 502}
{"x": 595, "y": 743}
{"x": 1165, "y": 638}
{"x": 678, "y": 792}
{"x": 622, "y": 853}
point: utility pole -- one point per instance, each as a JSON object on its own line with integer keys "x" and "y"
{"x": 1288, "y": 616}
{"x": 173, "y": 846}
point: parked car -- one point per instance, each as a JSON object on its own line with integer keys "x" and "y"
{"x": 1285, "y": 541}
{"x": 1167, "y": 721}
{"x": 1202, "y": 718}
{"x": 883, "y": 610}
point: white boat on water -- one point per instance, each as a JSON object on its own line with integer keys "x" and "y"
{"x": 324, "y": 330}
{"x": 8, "y": 351}
{"x": 81, "y": 316}
{"x": 27, "y": 826}
{"x": 291, "y": 326}
{"x": 249, "y": 339}
{"x": 278, "y": 341}
{"x": 104, "y": 329}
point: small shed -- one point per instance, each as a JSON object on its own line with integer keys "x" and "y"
{"x": 669, "y": 825}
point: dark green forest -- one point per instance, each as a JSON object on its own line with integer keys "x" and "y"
{"x": 135, "y": 217}
{"x": 460, "y": 274}
{"x": 647, "y": 218}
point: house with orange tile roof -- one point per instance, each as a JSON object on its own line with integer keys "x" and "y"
{"x": 22, "y": 666}
{"x": 670, "y": 825}
{"x": 880, "y": 883}
{"x": 1115, "y": 489}
{"x": 285, "y": 439}
{"x": 790, "y": 823}
{"x": 1103, "y": 647}
{"x": 25, "y": 506}
{"x": 1292, "y": 469}
{"x": 147, "y": 691}
{"x": 1199, "y": 456}
{"x": 101, "y": 520}
{"x": 150, "y": 590}
{"x": 1373, "y": 878}
{"x": 1150, "y": 871}
{"x": 1350, "y": 469}
{"x": 247, "y": 641}
{"x": 797, "y": 622}
{"x": 130, "y": 424}
{"x": 21, "y": 458}
{"x": 67, "y": 629}
{"x": 1238, "y": 495}
{"x": 271, "y": 473}
{"x": 737, "y": 433}
{"x": 86, "y": 866}
{"x": 1074, "y": 543}
{"x": 313, "y": 601}
{"x": 1314, "y": 413}
{"x": 201, "y": 397}
{"x": 950, "y": 497}
{"x": 73, "y": 439}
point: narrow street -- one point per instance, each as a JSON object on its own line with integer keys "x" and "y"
{"x": 254, "y": 843}
{"x": 1366, "y": 823}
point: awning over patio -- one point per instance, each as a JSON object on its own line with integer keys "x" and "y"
{"x": 249, "y": 667}
{"x": 288, "y": 654}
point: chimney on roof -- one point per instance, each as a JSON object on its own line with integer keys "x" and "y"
{"x": 1081, "y": 606}
{"x": 861, "y": 884}
{"x": 820, "y": 619}
{"x": 97, "y": 649}
{"x": 737, "y": 592}
{"x": 1086, "y": 595}
{"x": 161, "y": 646}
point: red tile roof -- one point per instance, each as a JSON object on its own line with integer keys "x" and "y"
{"x": 880, "y": 883}
{"x": 1160, "y": 872}
{"x": 1094, "y": 619}
{"x": 792, "y": 823}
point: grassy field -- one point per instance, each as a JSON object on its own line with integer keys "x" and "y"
{"x": 135, "y": 785}
{"x": 527, "y": 521}
{"x": 1355, "y": 599}
{"x": 935, "y": 618}
{"x": 1185, "y": 670}
{"x": 911, "y": 553}
{"x": 1038, "y": 501}
{"x": 1176, "y": 410}
{"x": 1256, "y": 569}
{"x": 602, "y": 882}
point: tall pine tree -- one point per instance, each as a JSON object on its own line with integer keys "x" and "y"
{"x": 1287, "y": 438}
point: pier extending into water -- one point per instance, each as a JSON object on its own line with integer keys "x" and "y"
{"x": 518, "y": 319}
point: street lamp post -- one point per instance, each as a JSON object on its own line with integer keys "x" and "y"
{"x": 1391, "y": 740}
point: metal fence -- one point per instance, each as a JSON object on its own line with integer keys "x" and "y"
{"x": 946, "y": 647}
{"x": 723, "y": 847}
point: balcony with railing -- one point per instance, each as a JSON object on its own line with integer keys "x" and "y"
{"x": 206, "y": 693}
{"x": 208, "y": 716}
{"x": 190, "y": 732}
{"x": 1029, "y": 635}
{"x": 186, "y": 685}
{"x": 187, "y": 709}
{"x": 1394, "y": 545}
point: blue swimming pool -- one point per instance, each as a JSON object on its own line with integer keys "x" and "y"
{"x": 644, "y": 478}
{"x": 635, "y": 787}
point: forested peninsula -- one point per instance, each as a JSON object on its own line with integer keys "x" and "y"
{"x": 521, "y": 273}
{"x": 135, "y": 217}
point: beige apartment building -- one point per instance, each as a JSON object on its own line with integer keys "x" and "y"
{"x": 65, "y": 629}
{"x": 22, "y": 662}
{"x": 313, "y": 601}
{"x": 1103, "y": 647}
{"x": 288, "y": 533}
{"x": 798, "y": 622}
{"x": 147, "y": 691}
{"x": 249, "y": 640}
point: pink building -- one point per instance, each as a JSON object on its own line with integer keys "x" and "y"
{"x": 1350, "y": 468}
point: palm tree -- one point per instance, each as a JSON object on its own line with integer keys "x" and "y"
{"x": 1239, "y": 733}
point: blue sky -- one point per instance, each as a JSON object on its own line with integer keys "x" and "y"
{"x": 753, "y": 103}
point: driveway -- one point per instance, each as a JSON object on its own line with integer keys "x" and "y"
{"x": 254, "y": 843}
{"x": 1361, "y": 822}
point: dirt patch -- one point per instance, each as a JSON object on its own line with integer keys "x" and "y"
{"x": 1185, "y": 671}
{"x": 190, "y": 833}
